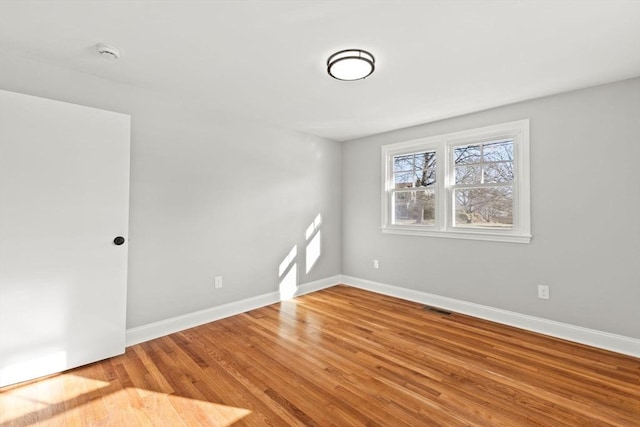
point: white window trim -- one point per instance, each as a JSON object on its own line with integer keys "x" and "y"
{"x": 443, "y": 144}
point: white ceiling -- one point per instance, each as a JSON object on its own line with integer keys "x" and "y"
{"x": 265, "y": 60}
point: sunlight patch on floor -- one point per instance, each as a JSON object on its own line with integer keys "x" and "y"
{"x": 20, "y": 407}
{"x": 159, "y": 409}
{"x": 41, "y": 396}
{"x": 87, "y": 403}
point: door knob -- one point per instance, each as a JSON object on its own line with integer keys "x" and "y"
{"x": 118, "y": 240}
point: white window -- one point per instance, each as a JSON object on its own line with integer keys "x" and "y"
{"x": 470, "y": 185}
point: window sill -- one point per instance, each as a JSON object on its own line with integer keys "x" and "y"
{"x": 460, "y": 234}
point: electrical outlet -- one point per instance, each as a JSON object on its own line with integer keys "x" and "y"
{"x": 543, "y": 292}
{"x": 376, "y": 264}
{"x": 217, "y": 282}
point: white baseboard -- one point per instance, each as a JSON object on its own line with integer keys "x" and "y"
{"x": 175, "y": 324}
{"x": 307, "y": 288}
{"x": 604, "y": 340}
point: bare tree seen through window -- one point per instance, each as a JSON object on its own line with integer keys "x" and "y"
{"x": 483, "y": 184}
{"x": 414, "y": 188}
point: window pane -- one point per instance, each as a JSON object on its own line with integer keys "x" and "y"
{"x": 425, "y": 160}
{"x": 425, "y": 178}
{"x": 471, "y": 174}
{"x": 498, "y": 151}
{"x": 484, "y": 207}
{"x": 466, "y": 155}
{"x": 404, "y": 179}
{"x": 418, "y": 161}
{"x": 498, "y": 172}
{"x": 430, "y": 159}
{"x": 414, "y": 207}
{"x": 403, "y": 163}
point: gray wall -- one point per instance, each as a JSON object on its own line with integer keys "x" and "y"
{"x": 218, "y": 195}
{"x": 210, "y": 194}
{"x": 585, "y": 186}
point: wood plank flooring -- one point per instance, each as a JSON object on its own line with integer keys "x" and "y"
{"x": 340, "y": 357}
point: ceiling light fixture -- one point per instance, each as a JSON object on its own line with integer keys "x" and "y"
{"x": 350, "y": 64}
{"x": 108, "y": 52}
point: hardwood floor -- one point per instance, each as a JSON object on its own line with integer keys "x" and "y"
{"x": 340, "y": 357}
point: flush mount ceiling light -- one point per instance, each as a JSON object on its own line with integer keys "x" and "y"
{"x": 108, "y": 52}
{"x": 350, "y": 64}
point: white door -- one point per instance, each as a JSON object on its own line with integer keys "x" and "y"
{"x": 64, "y": 197}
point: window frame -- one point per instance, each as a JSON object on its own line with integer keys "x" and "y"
{"x": 444, "y": 145}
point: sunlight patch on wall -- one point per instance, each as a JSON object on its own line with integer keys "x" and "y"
{"x": 288, "y": 269}
{"x": 315, "y": 225}
{"x": 313, "y": 250}
{"x": 288, "y": 275}
{"x": 288, "y": 260}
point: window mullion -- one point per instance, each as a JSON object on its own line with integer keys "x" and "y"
{"x": 445, "y": 172}
{"x": 481, "y": 163}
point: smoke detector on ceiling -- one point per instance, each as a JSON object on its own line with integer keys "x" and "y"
{"x": 108, "y": 52}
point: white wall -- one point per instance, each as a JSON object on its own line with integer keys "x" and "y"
{"x": 585, "y": 186}
{"x": 210, "y": 194}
